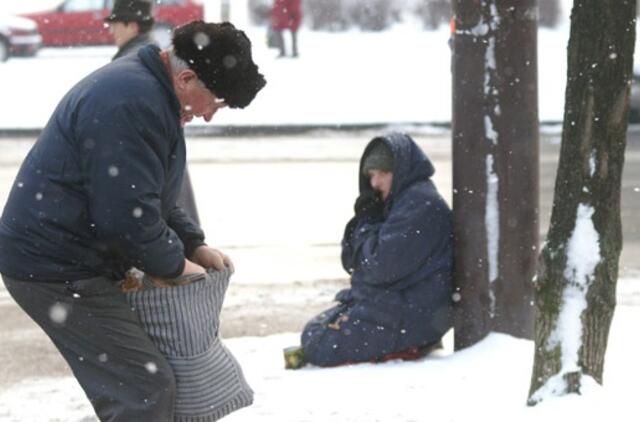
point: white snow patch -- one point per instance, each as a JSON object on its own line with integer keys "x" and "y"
{"x": 492, "y": 223}
{"x": 58, "y": 313}
{"x": 489, "y": 131}
{"x": 583, "y": 254}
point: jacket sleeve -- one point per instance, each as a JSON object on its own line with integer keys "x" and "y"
{"x": 386, "y": 252}
{"x": 347, "y": 246}
{"x": 124, "y": 158}
{"x": 187, "y": 230}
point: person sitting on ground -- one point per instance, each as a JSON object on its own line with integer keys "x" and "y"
{"x": 398, "y": 250}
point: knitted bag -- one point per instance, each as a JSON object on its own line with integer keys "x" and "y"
{"x": 183, "y": 322}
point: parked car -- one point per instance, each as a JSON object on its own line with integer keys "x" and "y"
{"x": 18, "y": 37}
{"x": 81, "y": 22}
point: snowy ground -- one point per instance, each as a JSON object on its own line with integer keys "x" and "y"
{"x": 488, "y": 382}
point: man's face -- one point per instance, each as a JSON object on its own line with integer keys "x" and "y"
{"x": 123, "y": 31}
{"x": 381, "y": 181}
{"x": 195, "y": 99}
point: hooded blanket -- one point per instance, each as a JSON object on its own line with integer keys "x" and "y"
{"x": 400, "y": 265}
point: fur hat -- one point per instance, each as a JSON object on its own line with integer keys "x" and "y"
{"x": 130, "y": 11}
{"x": 220, "y": 55}
{"x": 379, "y": 157}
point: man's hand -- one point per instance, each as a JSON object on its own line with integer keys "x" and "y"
{"x": 192, "y": 268}
{"x": 211, "y": 258}
{"x": 189, "y": 268}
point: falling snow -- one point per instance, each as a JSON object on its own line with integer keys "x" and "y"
{"x": 58, "y": 313}
{"x": 151, "y": 367}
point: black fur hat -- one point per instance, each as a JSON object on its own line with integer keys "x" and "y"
{"x": 220, "y": 55}
{"x": 130, "y": 11}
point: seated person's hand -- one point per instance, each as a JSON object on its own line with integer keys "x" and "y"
{"x": 369, "y": 205}
{"x": 211, "y": 258}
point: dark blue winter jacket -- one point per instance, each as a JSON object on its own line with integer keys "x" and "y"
{"x": 97, "y": 192}
{"x": 404, "y": 260}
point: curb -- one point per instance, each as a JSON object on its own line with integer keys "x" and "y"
{"x": 258, "y": 130}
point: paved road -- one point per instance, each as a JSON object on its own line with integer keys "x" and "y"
{"x": 288, "y": 267}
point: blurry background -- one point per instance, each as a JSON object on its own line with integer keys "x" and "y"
{"x": 361, "y": 62}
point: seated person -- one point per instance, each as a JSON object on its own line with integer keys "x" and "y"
{"x": 398, "y": 250}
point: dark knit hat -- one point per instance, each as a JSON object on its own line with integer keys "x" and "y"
{"x": 130, "y": 11}
{"x": 220, "y": 55}
{"x": 379, "y": 157}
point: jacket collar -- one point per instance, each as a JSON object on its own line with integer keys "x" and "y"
{"x": 133, "y": 45}
{"x": 150, "y": 57}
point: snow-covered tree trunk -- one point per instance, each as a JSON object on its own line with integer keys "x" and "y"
{"x": 578, "y": 267}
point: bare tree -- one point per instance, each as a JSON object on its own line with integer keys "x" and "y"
{"x": 578, "y": 266}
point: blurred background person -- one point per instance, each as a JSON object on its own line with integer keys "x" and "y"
{"x": 130, "y": 23}
{"x": 286, "y": 14}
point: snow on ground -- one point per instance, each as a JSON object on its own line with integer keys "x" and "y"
{"x": 487, "y": 382}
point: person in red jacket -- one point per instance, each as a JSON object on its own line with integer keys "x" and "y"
{"x": 286, "y": 14}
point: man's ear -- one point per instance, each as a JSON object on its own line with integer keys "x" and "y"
{"x": 185, "y": 77}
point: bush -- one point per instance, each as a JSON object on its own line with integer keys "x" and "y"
{"x": 372, "y": 15}
{"x": 433, "y": 13}
{"x": 260, "y": 12}
{"x": 328, "y": 15}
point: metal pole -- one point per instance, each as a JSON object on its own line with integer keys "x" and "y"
{"x": 518, "y": 166}
{"x": 495, "y": 166}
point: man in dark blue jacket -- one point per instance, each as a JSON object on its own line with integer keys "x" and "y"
{"x": 398, "y": 250}
{"x": 96, "y": 196}
{"x": 130, "y": 23}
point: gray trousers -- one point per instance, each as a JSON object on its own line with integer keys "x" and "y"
{"x": 122, "y": 372}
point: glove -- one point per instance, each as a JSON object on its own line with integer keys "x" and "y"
{"x": 369, "y": 206}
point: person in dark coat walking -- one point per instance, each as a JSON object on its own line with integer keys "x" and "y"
{"x": 286, "y": 14}
{"x": 130, "y": 23}
{"x": 96, "y": 196}
{"x": 398, "y": 250}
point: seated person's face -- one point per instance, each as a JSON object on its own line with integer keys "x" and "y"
{"x": 381, "y": 182}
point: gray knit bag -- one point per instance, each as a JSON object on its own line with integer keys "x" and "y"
{"x": 183, "y": 322}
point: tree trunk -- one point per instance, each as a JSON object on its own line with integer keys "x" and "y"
{"x": 578, "y": 267}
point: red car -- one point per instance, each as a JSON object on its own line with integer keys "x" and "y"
{"x": 80, "y": 22}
